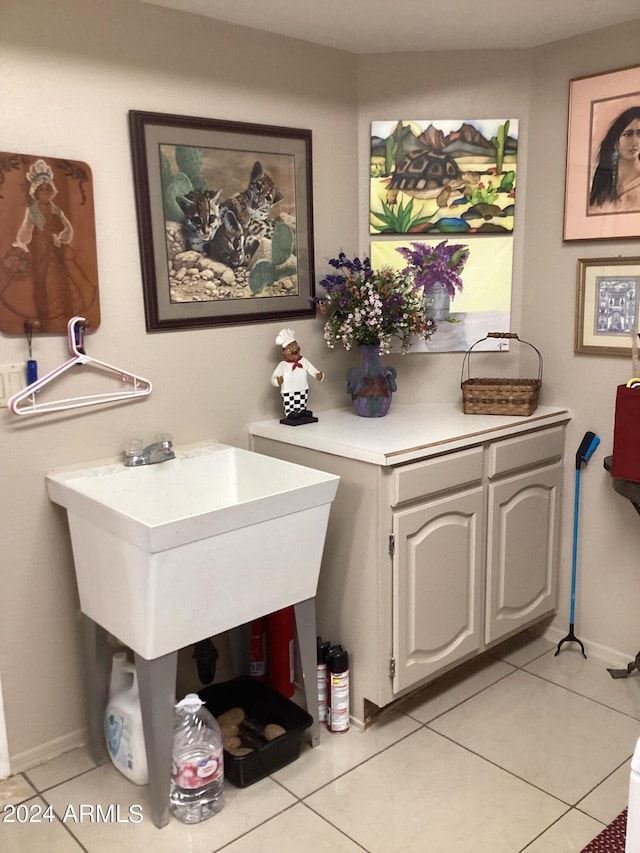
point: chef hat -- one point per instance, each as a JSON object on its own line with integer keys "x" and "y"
{"x": 285, "y": 336}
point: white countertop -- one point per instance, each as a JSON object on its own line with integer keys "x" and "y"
{"x": 408, "y": 432}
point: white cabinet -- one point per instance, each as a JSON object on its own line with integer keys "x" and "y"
{"x": 523, "y": 532}
{"x": 437, "y": 585}
{"x": 433, "y": 554}
{"x": 437, "y": 564}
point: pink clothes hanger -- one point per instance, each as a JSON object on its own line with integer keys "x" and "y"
{"x": 26, "y": 403}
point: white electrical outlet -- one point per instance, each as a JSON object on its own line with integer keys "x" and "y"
{"x": 13, "y": 378}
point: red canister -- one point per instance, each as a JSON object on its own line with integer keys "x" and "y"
{"x": 280, "y": 633}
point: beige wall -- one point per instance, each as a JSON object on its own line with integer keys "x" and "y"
{"x": 441, "y": 86}
{"x": 608, "y": 591}
{"x": 69, "y": 73}
{"x": 533, "y": 87}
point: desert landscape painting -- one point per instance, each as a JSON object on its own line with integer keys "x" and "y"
{"x": 443, "y": 177}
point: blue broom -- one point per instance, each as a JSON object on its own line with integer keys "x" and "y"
{"x": 585, "y": 451}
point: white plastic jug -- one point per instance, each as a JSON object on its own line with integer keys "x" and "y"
{"x": 123, "y": 722}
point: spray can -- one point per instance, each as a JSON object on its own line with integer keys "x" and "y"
{"x": 323, "y": 649}
{"x": 258, "y": 650}
{"x": 338, "y": 699}
{"x": 633, "y": 811}
{"x": 331, "y": 650}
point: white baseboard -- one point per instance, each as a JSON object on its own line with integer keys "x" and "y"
{"x": 52, "y": 749}
{"x": 5, "y": 767}
{"x": 613, "y": 656}
{"x": 45, "y": 752}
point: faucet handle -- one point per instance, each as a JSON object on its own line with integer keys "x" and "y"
{"x": 165, "y": 438}
{"x": 133, "y": 447}
{"x": 133, "y": 453}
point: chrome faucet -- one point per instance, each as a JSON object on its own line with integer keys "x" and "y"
{"x": 159, "y": 451}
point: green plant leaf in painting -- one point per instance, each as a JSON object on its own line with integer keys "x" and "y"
{"x": 399, "y": 221}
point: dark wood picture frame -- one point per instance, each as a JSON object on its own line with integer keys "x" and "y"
{"x": 191, "y": 281}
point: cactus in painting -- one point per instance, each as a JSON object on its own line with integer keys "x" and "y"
{"x": 189, "y": 161}
{"x": 393, "y": 147}
{"x": 179, "y": 184}
{"x": 264, "y": 272}
{"x": 500, "y": 141}
{"x": 188, "y": 177}
{"x": 165, "y": 169}
{"x": 508, "y": 181}
{"x": 282, "y": 244}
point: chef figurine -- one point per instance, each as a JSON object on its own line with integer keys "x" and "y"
{"x": 291, "y": 377}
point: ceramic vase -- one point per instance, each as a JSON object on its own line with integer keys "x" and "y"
{"x": 372, "y": 384}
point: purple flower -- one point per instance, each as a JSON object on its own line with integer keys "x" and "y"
{"x": 441, "y": 264}
{"x": 366, "y": 306}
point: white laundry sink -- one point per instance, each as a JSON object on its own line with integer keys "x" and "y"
{"x": 168, "y": 554}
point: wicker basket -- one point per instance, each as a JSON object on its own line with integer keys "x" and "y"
{"x": 499, "y": 396}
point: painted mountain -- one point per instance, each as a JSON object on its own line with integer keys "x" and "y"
{"x": 466, "y": 139}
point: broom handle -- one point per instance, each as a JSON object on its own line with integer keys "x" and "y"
{"x": 574, "y": 560}
{"x": 587, "y": 447}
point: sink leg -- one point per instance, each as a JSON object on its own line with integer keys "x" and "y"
{"x": 96, "y": 662}
{"x": 157, "y": 682}
{"x": 305, "y": 612}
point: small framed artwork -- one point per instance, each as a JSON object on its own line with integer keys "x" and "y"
{"x": 607, "y": 297}
{"x": 602, "y": 188}
{"x": 225, "y": 221}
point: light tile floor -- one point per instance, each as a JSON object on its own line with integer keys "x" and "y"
{"x": 519, "y": 750}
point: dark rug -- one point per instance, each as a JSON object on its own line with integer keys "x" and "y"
{"x": 611, "y": 839}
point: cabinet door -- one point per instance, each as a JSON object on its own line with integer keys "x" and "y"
{"x": 522, "y": 547}
{"x": 437, "y": 585}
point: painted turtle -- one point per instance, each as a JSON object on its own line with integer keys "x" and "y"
{"x": 425, "y": 173}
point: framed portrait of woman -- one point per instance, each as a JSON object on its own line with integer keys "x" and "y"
{"x": 602, "y": 188}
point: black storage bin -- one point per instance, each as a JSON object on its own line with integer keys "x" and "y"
{"x": 265, "y": 705}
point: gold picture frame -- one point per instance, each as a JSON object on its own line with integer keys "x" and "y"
{"x": 607, "y": 299}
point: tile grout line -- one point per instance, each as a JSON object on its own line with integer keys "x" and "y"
{"x": 302, "y": 800}
{"x": 64, "y": 825}
{"x": 499, "y": 767}
{"x": 466, "y": 699}
{"x": 540, "y": 834}
{"x": 337, "y": 828}
{"x": 583, "y": 695}
{"x": 57, "y": 784}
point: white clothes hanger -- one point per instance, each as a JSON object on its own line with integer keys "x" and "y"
{"x": 25, "y": 402}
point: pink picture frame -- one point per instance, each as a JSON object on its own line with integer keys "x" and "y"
{"x": 599, "y": 204}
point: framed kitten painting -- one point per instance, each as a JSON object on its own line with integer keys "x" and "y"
{"x": 224, "y": 221}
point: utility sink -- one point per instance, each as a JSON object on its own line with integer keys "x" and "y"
{"x": 168, "y": 554}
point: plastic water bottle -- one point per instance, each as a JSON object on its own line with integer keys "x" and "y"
{"x": 197, "y": 774}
